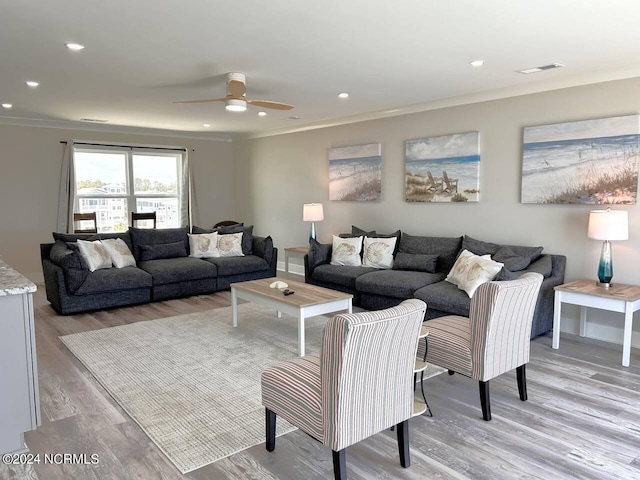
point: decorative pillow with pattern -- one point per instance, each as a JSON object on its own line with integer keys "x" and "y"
{"x": 120, "y": 254}
{"x": 346, "y": 251}
{"x": 378, "y": 252}
{"x": 230, "y": 245}
{"x": 94, "y": 254}
{"x": 470, "y": 271}
{"x": 204, "y": 245}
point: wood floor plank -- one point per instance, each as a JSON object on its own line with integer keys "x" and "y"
{"x": 581, "y": 420}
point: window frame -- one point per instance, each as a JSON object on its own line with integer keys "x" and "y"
{"x": 130, "y": 197}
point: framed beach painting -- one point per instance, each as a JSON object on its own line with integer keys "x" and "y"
{"x": 355, "y": 173}
{"x": 443, "y": 169}
{"x": 592, "y": 162}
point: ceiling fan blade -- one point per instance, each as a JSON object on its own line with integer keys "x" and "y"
{"x": 205, "y": 101}
{"x": 268, "y": 104}
{"x": 236, "y": 89}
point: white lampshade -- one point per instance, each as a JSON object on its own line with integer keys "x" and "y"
{"x": 608, "y": 225}
{"x": 312, "y": 212}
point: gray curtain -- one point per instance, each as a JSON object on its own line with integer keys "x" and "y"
{"x": 187, "y": 193}
{"x": 67, "y": 191}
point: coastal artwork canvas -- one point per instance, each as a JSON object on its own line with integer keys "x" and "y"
{"x": 443, "y": 169}
{"x": 355, "y": 173}
{"x": 592, "y": 162}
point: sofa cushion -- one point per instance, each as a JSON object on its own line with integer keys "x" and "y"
{"x": 263, "y": 247}
{"x": 173, "y": 270}
{"x": 415, "y": 262}
{"x": 94, "y": 254}
{"x": 162, "y": 251}
{"x": 74, "y": 237}
{"x": 377, "y": 252}
{"x": 247, "y": 235}
{"x": 119, "y": 252}
{"x": 203, "y": 245}
{"x": 114, "y": 280}
{"x": 238, "y": 265}
{"x": 511, "y": 260}
{"x": 346, "y": 251}
{"x": 339, "y": 274}
{"x": 395, "y": 283}
{"x": 199, "y": 230}
{"x": 483, "y": 248}
{"x": 470, "y": 271}
{"x": 153, "y": 236}
{"x": 358, "y": 232}
{"x": 230, "y": 245}
{"x": 319, "y": 253}
{"x": 446, "y": 297}
{"x": 446, "y": 248}
{"x": 543, "y": 266}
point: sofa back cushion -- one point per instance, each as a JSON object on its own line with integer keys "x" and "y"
{"x": 480, "y": 247}
{"x": 247, "y": 235}
{"x": 160, "y": 236}
{"x": 92, "y": 237}
{"x": 417, "y": 262}
{"x": 446, "y": 248}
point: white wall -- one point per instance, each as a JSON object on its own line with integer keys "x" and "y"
{"x": 276, "y": 175}
{"x": 30, "y": 162}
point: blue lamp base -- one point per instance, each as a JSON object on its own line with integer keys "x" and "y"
{"x": 605, "y": 267}
{"x": 312, "y": 235}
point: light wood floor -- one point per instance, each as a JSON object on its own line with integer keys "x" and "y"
{"x": 582, "y": 419}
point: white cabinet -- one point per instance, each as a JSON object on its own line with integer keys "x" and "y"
{"x": 19, "y": 397}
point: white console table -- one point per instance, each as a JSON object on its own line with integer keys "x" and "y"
{"x": 587, "y": 293}
{"x": 19, "y": 396}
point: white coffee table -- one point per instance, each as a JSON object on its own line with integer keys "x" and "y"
{"x": 307, "y": 301}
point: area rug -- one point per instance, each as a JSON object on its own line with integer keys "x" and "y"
{"x": 192, "y": 382}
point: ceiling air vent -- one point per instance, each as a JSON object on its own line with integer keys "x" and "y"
{"x": 93, "y": 120}
{"x": 540, "y": 69}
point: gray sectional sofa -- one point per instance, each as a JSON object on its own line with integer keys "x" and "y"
{"x": 425, "y": 262}
{"x": 163, "y": 269}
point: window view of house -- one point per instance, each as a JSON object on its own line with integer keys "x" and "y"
{"x": 114, "y": 183}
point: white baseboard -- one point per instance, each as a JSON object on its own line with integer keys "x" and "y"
{"x": 293, "y": 268}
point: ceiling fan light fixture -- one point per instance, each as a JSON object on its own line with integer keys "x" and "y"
{"x": 262, "y": 114}
{"x": 235, "y": 105}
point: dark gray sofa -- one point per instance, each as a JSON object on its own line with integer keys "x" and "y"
{"x": 161, "y": 271}
{"x": 375, "y": 289}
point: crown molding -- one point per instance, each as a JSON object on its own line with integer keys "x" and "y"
{"x": 121, "y": 129}
{"x": 467, "y": 99}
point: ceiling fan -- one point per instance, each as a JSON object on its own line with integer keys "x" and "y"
{"x": 236, "y": 99}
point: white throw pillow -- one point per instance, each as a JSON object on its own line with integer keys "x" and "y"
{"x": 119, "y": 252}
{"x": 94, "y": 255}
{"x": 470, "y": 271}
{"x": 378, "y": 252}
{"x": 346, "y": 251}
{"x": 230, "y": 245}
{"x": 204, "y": 245}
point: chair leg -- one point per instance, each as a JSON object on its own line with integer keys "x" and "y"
{"x": 451, "y": 372}
{"x": 484, "y": 400}
{"x": 403, "y": 443}
{"x": 270, "y": 418}
{"x": 339, "y": 465}
{"x": 522, "y": 381}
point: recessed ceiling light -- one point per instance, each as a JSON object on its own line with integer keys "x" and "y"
{"x": 540, "y": 69}
{"x": 343, "y": 95}
{"x": 7, "y": 105}
{"x": 206, "y": 125}
{"x": 477, "y": 63}
{"x": 31, "y": 83}
{"x": 262, "y": 114}
{"x": 74, "y": 46}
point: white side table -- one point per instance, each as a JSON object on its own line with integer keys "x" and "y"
{"x": 587, "y": 293}
{"x": 293, "y": 251}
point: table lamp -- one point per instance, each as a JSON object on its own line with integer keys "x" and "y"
{"x": 607, "y": 225}
{"x": 312, "y": 212}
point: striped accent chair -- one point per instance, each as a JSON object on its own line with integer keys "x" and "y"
{"x": 360, "y": 384}
{"x": 493, "y": 340}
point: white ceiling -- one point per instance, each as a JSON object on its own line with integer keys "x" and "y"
{"x": 391, "y": 56}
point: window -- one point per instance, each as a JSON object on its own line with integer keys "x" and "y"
{"x": 116, "y": 181}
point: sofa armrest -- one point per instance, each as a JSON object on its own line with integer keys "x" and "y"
{"x": 543, "y": 315}
{"x": 263, "y": 247}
